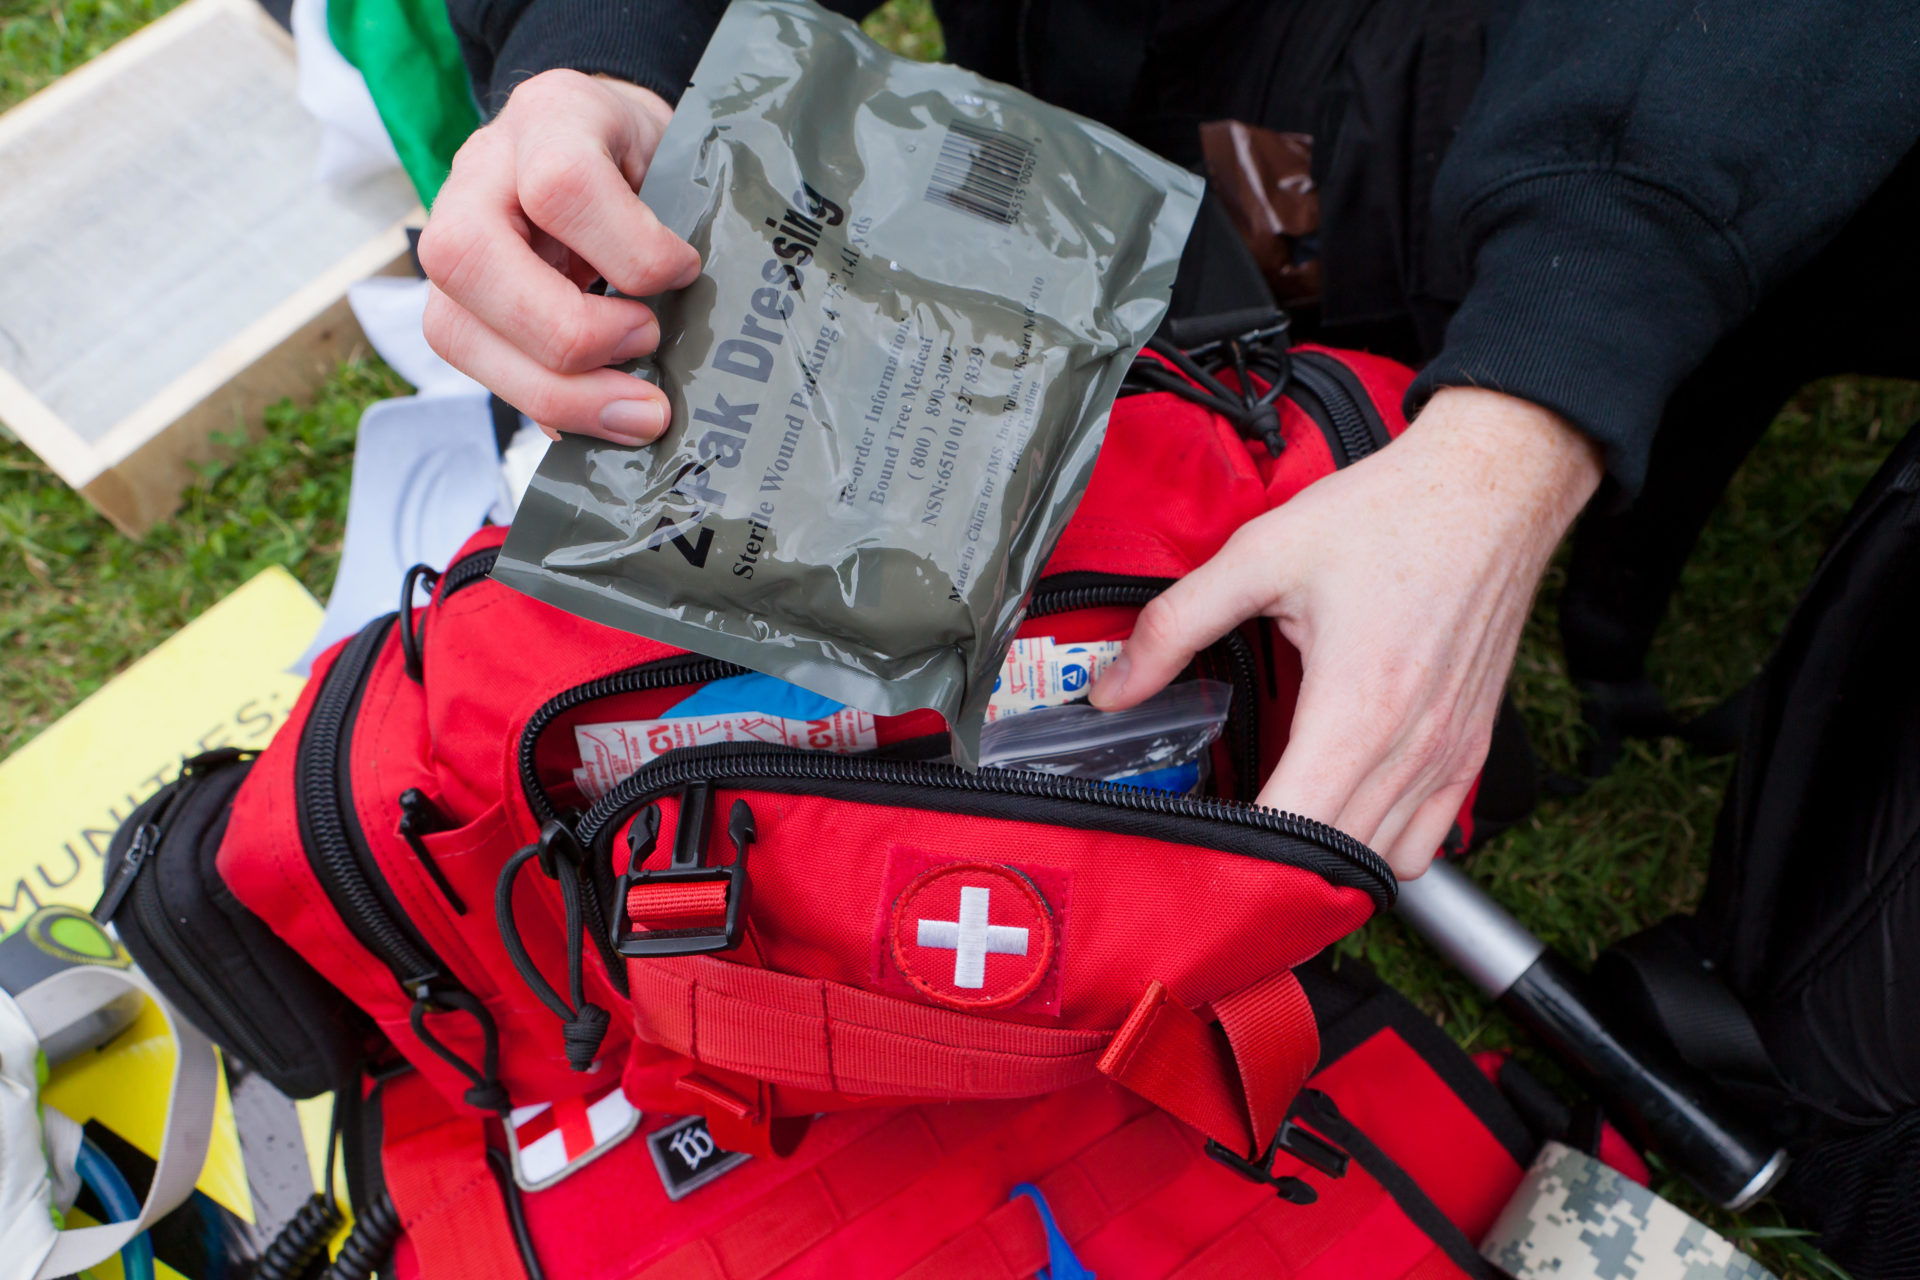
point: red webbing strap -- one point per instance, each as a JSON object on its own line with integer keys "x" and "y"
{"x": 665, "y": 905}
{"x": 1232, "y": 1080}
{"x": 739, "y": 1113}
{"x": 809, "y": 1033}
{"x": 436, "y": 1169}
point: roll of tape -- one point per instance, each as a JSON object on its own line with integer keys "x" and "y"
{"x": 1573, "y": 1218}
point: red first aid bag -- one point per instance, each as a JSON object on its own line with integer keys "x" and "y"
{"x": 1396, "y": 1159}
{"x": 799, "y": 931}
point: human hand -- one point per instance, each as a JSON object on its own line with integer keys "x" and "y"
{"x": 1404, "y": 581}
{"x": 539, "y": 204}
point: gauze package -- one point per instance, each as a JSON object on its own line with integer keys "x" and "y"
{"x": 920, "y": 292}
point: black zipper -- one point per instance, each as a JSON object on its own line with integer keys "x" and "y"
{"x": 662, "y": 673}
{"x": 1348, "y": 420}
{"x": 238, "y": 1032}
{"x": 1062, "y": 595}
{"x": 1065, "y": 593}
{"x": 330, "y": 832}
{"x": 1014, "y": 794}
{"x": 129, "y": 886}
{"x": 467, "y": 570}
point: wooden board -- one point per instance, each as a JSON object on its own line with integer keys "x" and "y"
{"x": 169, "y": 265}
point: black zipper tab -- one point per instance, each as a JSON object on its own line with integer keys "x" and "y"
{"x": 145, "y": 841}
{"x": 146, "y": 837}
{"x": 419, "y": 818}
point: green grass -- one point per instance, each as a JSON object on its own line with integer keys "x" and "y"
{"x": 42, "y": 41}
{"x": 78, "y": 603}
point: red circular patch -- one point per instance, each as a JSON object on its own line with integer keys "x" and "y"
{"x": 972, "y": 935}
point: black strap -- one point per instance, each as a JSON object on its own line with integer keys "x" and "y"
{"x": 1318, "y": 1110}
{"x": 1659, "y": 972}
{"x": 502, "y": 1166}
{"x": 583, "y": 1024}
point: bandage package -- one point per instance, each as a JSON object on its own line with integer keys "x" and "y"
{"x": 920, "y": 292}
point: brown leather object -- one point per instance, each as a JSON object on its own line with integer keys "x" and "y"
{"x": 1265, "y": 179}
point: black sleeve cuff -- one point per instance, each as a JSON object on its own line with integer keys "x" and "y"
{"x": 652, "y": 43}
{"x": 1593, "y": 295}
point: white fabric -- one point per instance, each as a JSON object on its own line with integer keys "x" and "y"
{"x": 27, "y": 1233}
{"x": 55, "y": 1004}
{"x": 517, "y": 465}
{"x": 353, "y": 142}
{"x": 62, "y": 1134}
{"x": 425, "y": 475}
{"x": 971, "y": 938}
{"x": 389, "y": 309}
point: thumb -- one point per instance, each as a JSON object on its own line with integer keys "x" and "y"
{"x": 1184, "y": 619}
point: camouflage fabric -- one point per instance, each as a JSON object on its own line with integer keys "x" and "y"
{"x": 1573, "y": 1218}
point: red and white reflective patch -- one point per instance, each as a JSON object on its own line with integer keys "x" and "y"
{"x": 552, "y": 1139}
{"x": 972, "y": 935}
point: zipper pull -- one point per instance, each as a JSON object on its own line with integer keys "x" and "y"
{"x": 145, "y": 840}
{"x": 418, "y": 818}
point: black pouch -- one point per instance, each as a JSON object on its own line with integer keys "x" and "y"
{"x": 1792, "y": 986}
{"x": 216, "y": 961}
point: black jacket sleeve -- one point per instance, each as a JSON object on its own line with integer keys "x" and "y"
{"x": 653, "y": 43}
{"x": 1633, "y": 175}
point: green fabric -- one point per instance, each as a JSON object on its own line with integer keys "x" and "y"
{"x": 407, "y": 52}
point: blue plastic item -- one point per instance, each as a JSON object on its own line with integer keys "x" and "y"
{"x": 754, "y": 692}
{"x": 1061, "y": 1263}
{"x": 100, "y": 1173}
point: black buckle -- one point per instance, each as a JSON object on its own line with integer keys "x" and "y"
{"x": 1289, "y": 1188}
{"x": 688, "y": 866}
{"x": 1301, "y": 1143}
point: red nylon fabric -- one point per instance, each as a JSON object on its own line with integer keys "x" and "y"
{"x": 436, "y": 1171}
{"x": 829, "y": 1021}
{"x": 922, "y": 1192}
{"x": 677, "y": 906}
{"x": 1232, "y": 1083}
{"x": 1275, "y": 1043}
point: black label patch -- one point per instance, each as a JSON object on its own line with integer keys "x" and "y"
{"x": 688, "y": 1158}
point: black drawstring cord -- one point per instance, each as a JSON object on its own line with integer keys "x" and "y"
{"x": 487, "y": 1092}
{"x": 409, "y": 638}
{"x": 583, "y": 1024}
{"x": 1250, "y": 414}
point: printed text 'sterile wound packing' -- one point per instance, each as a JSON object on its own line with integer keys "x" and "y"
{"x": 921, "y": 290}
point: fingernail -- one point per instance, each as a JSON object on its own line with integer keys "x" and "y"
{"x": 1111, "y": 681}
{"x": 640, "y": 342}
{"x": 688, "y": 276}
{"x": 633, "y": 421}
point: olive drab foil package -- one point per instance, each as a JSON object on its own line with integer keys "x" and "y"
{"x": 920, "y": 292}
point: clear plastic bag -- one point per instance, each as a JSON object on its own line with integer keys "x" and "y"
{"x": 1161, "y": 743}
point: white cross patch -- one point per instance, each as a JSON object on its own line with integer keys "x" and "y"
{"x": 972, "y": 939}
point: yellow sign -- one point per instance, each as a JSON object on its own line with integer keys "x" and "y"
{"x": 219, "y": 681}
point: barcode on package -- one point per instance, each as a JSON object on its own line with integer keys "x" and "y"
{"x": 982, "y": 172}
